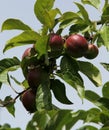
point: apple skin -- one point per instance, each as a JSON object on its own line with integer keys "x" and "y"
{"x": 76, "y": 45}
{"x": 36, "y": 76}
{"x": 56, "y": 45}
{"x": 55, "y": 42}
{"x": 28, "y": 99}
{"x": 92, "y": 51}
{"x": 27, "y": 52}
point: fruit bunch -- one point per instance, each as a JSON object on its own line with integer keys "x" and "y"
{"x": 39, "y": 69}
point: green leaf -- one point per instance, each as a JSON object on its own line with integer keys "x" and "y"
{"x": 76, "y": 116}
{"x": 8, "y": 127}
{"x": 44, "y": 13}
{"x": 91, "y": 71}
{"x": 74, "y": 81}
{"x": 103, "y": 102}
{"x": 104, "y": 119}
{"x": 83, "y": 13}
{"x": 91, "y": 96}
{"x": 105, "y": 14}
{"x": 43, "y": 96}
{"x": 58, "y": 89}
{"x": 105, "y": 128}
{"x": 104, "y": 32}
{"x": 10, "y": 105}
{"x": 93, "y": 115}
{"x": 27, "y": 37}
{"x": 69, "y": 18}
{"x": 6, "y": 65}
{"x": 69, "y": 63}
{"x": 41, "y": 45}
{"x": 105, "y": 90}
{"x": 76, "y": 28}
{"x": 10, "y": 24}
{"x": 41, "y": 119}
{"x": 58, "y": 121}
{"x": 88, "y": 127}
{"x": 23, "y": 84}
{"x": 94, "y": 3}
{"x": 69, "y": 73}
{"x": 69, "y": 15}
{"x": 105, "y": 65}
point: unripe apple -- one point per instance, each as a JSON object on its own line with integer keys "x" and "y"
{"x": 92, "y": 51}
{"x": 36, "y": 76}
{"x": 28, "y": 99}
{"x": 76, "y": 45}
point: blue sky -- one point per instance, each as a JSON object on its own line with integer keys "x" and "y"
{"x": 23, "y": 10}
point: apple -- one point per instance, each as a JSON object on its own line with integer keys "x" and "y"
{"x": 56, "y": 45}
{"x": 26, "y": 53}
{"x": 28, "y": 100}
{"x": 36, "y": 76}
{"x": 76, "y": 45}
{"x": 29, "y": 52}
{"x": 92, "y": 51}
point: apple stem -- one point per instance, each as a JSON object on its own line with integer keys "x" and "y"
{"x": 4, "y": 104}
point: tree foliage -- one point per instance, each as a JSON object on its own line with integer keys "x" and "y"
{"x": 69, "y": 71}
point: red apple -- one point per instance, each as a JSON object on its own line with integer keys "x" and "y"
{"x": 76, "y": 45}
{"x": 36, "y": 76}
{"x": 92, "y": 51}
{"x": 27, "y": 52}
{"x": 28, "y": 100}
{"x": 55, "y": 42}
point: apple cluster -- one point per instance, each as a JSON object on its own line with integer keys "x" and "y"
{"x": 74, "y": 45}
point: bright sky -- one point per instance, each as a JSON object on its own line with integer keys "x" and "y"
{"x": 23, "y": 10}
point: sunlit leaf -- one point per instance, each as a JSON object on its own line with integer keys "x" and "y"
{"x": 83, "y": 13}
{"x": 43, "y": 96}
{"x": 69, "y": 18}
{"x": 41, "y": 45}
{"x": 105, "y": 90}
{"x": 91, "y": 71}
{"x": 44, "y": 13}
{"x": 10, "y": 24}
{"x": 104, "y": 32}
{"x": 58, "y": 89}
{"x": 40, "y": 120}
{"x": 23, "y": 84}
{"x": 93, "y": 115}
{"x": 58, "y": 121}
{"x": 105, "y": 14}
{"x": 94, "y": 3}
{"x": 6, "y": 65}
{"x": 27, "y": 37}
